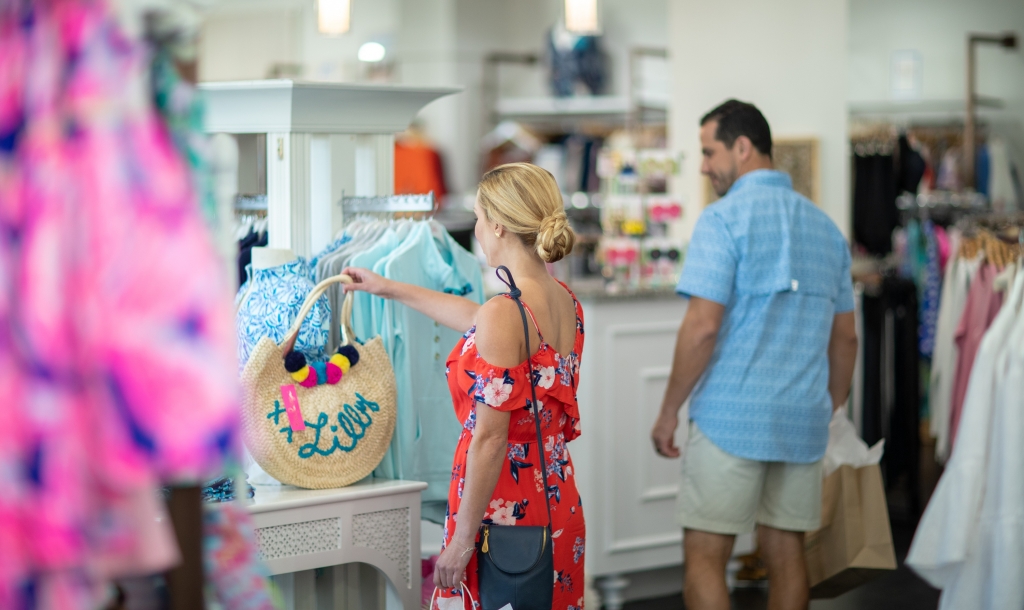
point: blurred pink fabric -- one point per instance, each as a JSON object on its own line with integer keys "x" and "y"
{"x": 983, "y": 303}
{"x": 117, "y": 360}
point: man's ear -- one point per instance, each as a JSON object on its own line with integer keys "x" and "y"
{"x": 744, "y": 147}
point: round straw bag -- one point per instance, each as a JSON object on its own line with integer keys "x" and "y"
{"x": 319, "y": 435}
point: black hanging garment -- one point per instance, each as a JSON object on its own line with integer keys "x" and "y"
{"x": 912, "y": 166}
{"x": 892, "y": 396}
{"x": 874, "y": 203}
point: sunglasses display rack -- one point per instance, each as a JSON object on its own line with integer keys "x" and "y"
{"x": 637, "y": 249}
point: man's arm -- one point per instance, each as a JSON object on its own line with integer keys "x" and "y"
{"x": 842, "y": 357}
{"x": 694, "y": 346}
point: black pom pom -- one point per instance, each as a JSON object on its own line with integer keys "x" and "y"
{"x": 349, "y": 352}
{"x": 294, "y": 362}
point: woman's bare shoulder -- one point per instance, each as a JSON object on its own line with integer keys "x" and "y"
{"x": 499, "y": 332}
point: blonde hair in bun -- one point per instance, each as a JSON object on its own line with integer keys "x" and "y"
{"x": 525, "y": 199}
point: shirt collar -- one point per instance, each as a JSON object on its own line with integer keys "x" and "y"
{"x": 762, "y": 177}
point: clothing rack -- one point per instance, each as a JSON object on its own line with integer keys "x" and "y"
{"x": 967, "y": 201}
{"x": 944, "y": 207}
{"x": 389, "y": 204}
{"x": 999, "y": 236}
{"x": 251, "y": 203}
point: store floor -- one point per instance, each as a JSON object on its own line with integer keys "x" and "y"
{"x": 901, "y": 590}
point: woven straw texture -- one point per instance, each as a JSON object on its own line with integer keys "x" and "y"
{"x": 348, "y": 425}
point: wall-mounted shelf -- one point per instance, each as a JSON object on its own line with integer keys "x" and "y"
{"x": 921, "y": 110}
{"x": 265, "y": 106}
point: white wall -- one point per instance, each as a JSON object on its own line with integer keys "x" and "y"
{"x": 433, "y": 42}
{"x": 788, "y": 57}
{"x": 937, "y": 29}
{"x": 241, "y": 39}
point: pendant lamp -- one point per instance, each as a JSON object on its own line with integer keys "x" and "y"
{"x": 581, "y": 17}
{"x": 334, "y": 17}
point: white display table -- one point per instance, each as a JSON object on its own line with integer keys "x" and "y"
{"x": 376, "y": 523}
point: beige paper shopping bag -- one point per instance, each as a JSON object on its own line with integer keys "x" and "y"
{"x": 854, "y": 543}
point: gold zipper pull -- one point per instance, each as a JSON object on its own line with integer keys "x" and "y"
{"x": 485, "y": 546}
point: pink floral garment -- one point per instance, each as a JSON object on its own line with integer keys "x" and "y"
{"x": 117, "y": 366}
{"x": 519, "y": 496}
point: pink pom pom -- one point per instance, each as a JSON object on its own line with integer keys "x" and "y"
{"x": 311, "y": 381}
{"x": 334, "y": 373}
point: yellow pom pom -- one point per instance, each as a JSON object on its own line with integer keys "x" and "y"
{"x": 341, "y": 362}
{"x": 301, "y": 374}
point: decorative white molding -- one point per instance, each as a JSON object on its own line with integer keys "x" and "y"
{"x": 640, "y": 328}
{"x": 659, "y": 493}
{"x": 279, "y": 190}
{"x": 640, "y": 543}
{"x": 301, "y": 240}
{"x": 293, "y": 539}
{"x": 652, "y": 493}
{"x": 612, "y": 333}
{"x": 386, "y": 531}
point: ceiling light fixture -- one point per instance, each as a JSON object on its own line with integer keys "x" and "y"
{"x": 372, "y": 52}
{"x": 581, "y": 17}
{"x": 334, "y": 17}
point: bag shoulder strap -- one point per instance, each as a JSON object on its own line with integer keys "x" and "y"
{"x": 514, "y": 293}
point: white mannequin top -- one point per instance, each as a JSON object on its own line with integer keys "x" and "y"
{"x": 265, "y": 258}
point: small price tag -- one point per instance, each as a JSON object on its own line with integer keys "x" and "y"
{"x": 290, "y": 396}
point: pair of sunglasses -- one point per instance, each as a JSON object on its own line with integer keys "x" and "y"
{"x": 672, "y": 254}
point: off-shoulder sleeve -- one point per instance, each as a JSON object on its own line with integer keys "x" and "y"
{"x": 498, "y": 387}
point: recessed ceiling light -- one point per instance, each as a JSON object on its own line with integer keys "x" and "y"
{"x": 333, "y": 17}
{"x": 372, "y": 52}
{"x": 581, "y": 17}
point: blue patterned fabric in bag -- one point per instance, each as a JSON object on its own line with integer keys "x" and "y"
{"x": 269, "y": 302}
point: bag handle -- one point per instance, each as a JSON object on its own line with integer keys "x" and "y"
{"x": 347, "y": 334}
{"x": 515, "y": 293}
{"x": 465, "y": 589}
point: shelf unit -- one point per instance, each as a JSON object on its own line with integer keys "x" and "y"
{"x": 617, "y": 109}
{"x": 323, "y": 141}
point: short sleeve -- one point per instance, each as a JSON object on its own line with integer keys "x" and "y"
{"x": 710, "y": 267}
{"x": 844, "y": 301}
{"x": 501, "y": 388}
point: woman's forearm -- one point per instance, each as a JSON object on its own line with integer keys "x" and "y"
{"x": 483, "y": 467}
{"x": 455, "y": 312}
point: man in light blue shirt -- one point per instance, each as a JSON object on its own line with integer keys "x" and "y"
{"x": 765, "y": 353}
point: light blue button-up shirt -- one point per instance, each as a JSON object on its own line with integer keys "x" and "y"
{"x": 427, "y": 430}
{"x": 781, "y": 268}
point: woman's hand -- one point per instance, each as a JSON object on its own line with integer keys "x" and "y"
{"x": 367, "y": 281}
{"x": 450, "y": 569}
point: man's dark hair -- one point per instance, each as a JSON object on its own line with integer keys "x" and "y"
{"x": 735, "y": 119}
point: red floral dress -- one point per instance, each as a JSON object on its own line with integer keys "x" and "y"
{"x": 519, "y": 494}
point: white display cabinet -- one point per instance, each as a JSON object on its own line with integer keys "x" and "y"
{"x": 634, "y": 543}
{"x": 322, "y": 141}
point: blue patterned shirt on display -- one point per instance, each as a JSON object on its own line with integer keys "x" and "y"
{"x": 268, "y": 303}
{"x": 781, "y": 268}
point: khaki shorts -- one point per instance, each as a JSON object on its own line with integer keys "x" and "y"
{"x": 724, "y": 494}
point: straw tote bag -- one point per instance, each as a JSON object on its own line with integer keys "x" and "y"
{"x": 319, "y": 425}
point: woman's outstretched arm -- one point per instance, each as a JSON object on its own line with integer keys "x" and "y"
{"x": 455, "y": 312}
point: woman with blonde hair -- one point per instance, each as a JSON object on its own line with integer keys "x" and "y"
{"x": 496, "y": 475}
